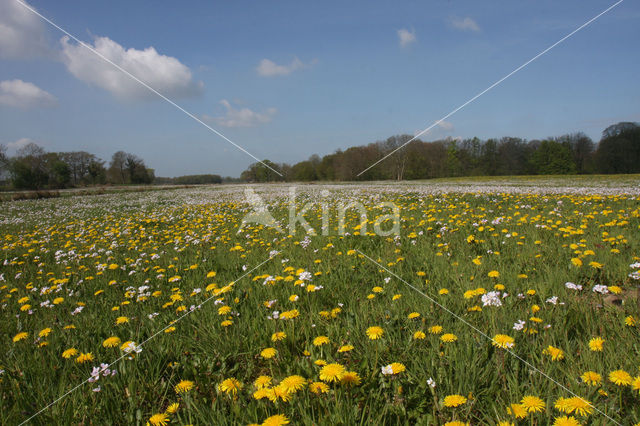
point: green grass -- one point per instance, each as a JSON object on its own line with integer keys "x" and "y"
{"x": 190, "y": 240}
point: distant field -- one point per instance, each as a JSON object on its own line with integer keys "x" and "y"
{"x": 512, "y": 300}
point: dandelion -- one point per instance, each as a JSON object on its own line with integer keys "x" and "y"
{"x": 493, "y": 274}
{"x": 160, "y": 419}
{"x": 183, "y": 386}
{"x": 122, "y": 320}
{"x": 517, "y": 410}
{"x": 230, "y": 386}
{"x": 84, "y": 357}
{"x": 20, "y": 336}
{"x": 532, "y": 404}
{"x": 172, "y": 408}
{"x": 630, "y": 321}
{"x": 635, "y": 384}
{"x": 556, "y": 354}
{"x": 566, "y": 421}
{"x": 293, "y": 384}
{"x": 454, "y": 400}
{"x": 350, "y": 378}
{"x": 503, "y": 341}
{"x": 320, "y": 340}
{"x": 70, "y": 353}
{"x": 596, "y": 343}
{"x": 268, "y": 353}
{"x": 277, "y": 336}
{"x": 620, "y": 378}
{"x": 332, "y": 372}
{"x": 44, "y": 332}
{"x": 435, "y": 329}
{"x": 262, "y": 382}
{"x": 591, "y": 378}
{"x": 345, "y": 348}
{"x": 375, "y": 332}
{"x": 419, "y": 335}
{"x": 277, "y": 420}
{"x": 413, "y": 315}
{"x": 318, "y": 388}
{"x": 111, "y": 342}
{"x": 449, "y": 337}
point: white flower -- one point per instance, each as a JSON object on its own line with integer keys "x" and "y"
{"x": 431, "y": 383}
{"x": 553, "y": 300}
{"x": 599, "y": 288}
{"x": 387, "y": 369}
{"x": 518, "y": 325}
{"x": 572, "y": 286}
{"x": 491, "y": 299}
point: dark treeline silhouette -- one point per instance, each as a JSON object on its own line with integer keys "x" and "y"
{"x": 617, "y": 152}
{"x": 34, "y": 168}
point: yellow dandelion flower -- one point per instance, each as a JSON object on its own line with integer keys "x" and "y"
{"x": 503, "y": 341}
{"x": 44, "y": 332}
{"x": 556, "y": 354}
{"x": 532, "y": 404}
{"x": 293, "y": 383}
{"x": 84, "y": 357}
{"x": 20, "y": 336}
{"x": 277, "y": 336}
{"x": 493, "y": 274}
{"x": 448, "y": 337}
{"x": 268, "y": 353}
{"x": 596, "y": 344}
{"x": 262, "y": 382}
{"x": 277, "y": 420}
{"x": 332, "y": 372}
{"x": 70, "y": 353}
{"x": 320, "y": 340}
{"x": 435, "y": 329}
{"x": 183, "y": 386}
{"x": 566, "y": 421}
{"x": 591, "y": 378}
{"x": 375, "y": 332}
{"x": 172, "y": 408}
{"x": 454, "y": 400}
{"x": 620, "y": 378}
{"x": 159, "y": 419}
{"x": 230, "y": 386}
{"x": 350, "y": 378}
{"x": 318, "y": 388}
{"x": 517, "y": 410}
{"x": 419, "y": 335}
{"x": 345, "y": 348}
{"x": 111, "y": 342}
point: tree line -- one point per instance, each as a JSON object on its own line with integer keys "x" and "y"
{"x": 34, "y": 168}
{"x": 618, "y": 151}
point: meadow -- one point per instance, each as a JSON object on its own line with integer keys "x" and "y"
{"x": 499, "y": 301}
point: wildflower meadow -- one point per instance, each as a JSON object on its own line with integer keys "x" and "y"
{"x": 495, "y": 302}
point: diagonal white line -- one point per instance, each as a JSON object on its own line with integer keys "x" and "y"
{"x": 145, "y": 341}
{"x": 493, "y": 85}
{"x": 133, "y": 77}
{"x": 476, "y": 329}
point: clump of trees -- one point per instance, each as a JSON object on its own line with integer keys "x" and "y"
{"x": 34, "y": 168}
{"x": 617, "y": 152}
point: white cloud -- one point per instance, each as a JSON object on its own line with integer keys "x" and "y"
{"x": 20, "y": 143}
{"x": 406, "y": 37}
{"x": 268, "y": 68}
{"x": 243, "y": 117}
{"x": 165, "y": 74}
{"x": 464, "y": 24}
{"x": 22, "y": 33}
{"x": 446, "y": 125}
{"x": 21, "y": 94}
{"x": 439, "y": 129}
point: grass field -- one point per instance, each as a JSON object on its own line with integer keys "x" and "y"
{"x": 525, "y": 306}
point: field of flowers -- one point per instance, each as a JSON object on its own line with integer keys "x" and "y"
{"x": 496, "y": 303}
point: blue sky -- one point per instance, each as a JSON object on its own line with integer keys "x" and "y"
{"x": 287, "y": 79}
